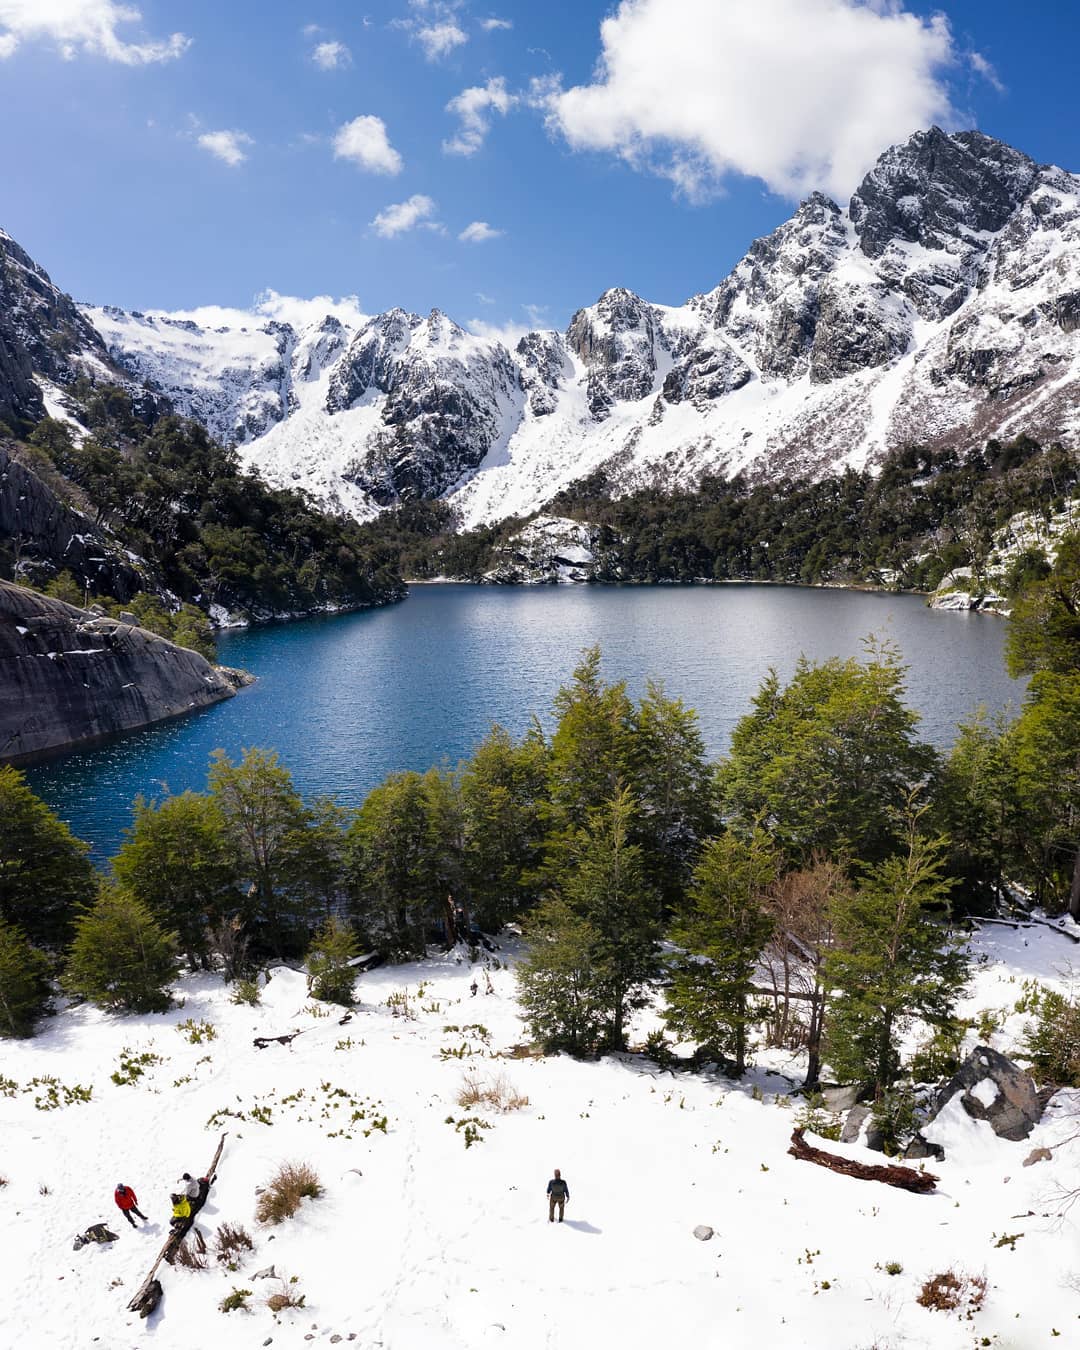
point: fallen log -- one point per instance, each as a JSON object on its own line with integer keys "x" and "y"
{"x": 261, "y": 1042}
{"x": 148, "y": 1294}
{"x": 906, "y": 1178}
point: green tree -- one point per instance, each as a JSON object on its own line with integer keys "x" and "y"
{"x": 892, "y": 962}
{"x": 178, "y": 859}
{"x": 44, "y": 871}
{"x": 557, "y": 987}
{"x": 330, "y": 976}
{"x": 827, "y": 763}
{"x": 121, "y": 959}
{"x": 320, "y": 860}
{"x": 979, "y": 806}
{"x": 24, "y": 982}
{"x": 592, "y": 746}
{"x": 266, "y": 819}
{"x": 675, "y": 789}
{"x": 608, "y": 887}
{"x": 404, "y": 857}
{"x": 503, "y": 787}
{"x": 1044, "y": 622}
{"x": 722, "y": 928}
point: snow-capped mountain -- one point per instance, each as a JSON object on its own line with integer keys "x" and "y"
{"x": 941, "y": 305}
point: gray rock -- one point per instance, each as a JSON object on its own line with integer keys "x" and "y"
{"x": 703, "y": 1232}
{"x": 853, "y": 1123}
{"x": 843, "y": 1098}
{"x": 923, "y": 1148}
{"x": 1038, "y": 1155}
{"x": 268, "y": 1273}
{"x": 1013, "y": 1109}
{"x": 72, "y": 678}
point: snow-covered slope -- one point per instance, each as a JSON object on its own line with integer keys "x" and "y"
{"x": 943, "y": 303}
{"x": 423, "y": 1243}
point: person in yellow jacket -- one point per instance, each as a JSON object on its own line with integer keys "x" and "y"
{"x": 181, "y": 1212}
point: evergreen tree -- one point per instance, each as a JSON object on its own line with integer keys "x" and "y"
{"x": 827, "y": 763}
{"x": 24, "y": 982}
{"x": 404, "y": 857}
{"x": 121, "y": 959}
{"x": 180, "y": 862}
{"x": 320, "y": 859}
{"x": 266, "y": 820}
{"x": 892, "y": 962}
{"x": 674, "y": 786}
{"x": 503, "y": 787}
{"x": 1044, "y": 622}
{"x": 722, "y": 927}
{"x": 44, "y": 871}
{"x": 557, "y": 987}
{"x": 330, "y": 976}
{"x": 592, "y": 747}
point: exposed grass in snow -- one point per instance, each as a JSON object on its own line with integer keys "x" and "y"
{"x": 290, "y": 1185}
{"x": 422, "y": 1243}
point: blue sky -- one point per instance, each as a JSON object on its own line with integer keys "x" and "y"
{"x": 205, "y": 151}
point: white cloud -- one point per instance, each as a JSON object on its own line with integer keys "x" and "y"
{"x": 364, "y": 141}
{"x": 479, "y": 232}
{"x": 474, "y": 107}
{"x": 88, "y": 26}
{"x": 439, "y": 39}
{"x": 981, "y": 66}
{"x": 270, "y": 304}
{"x": 485, "y": 299}
{"x": 228, "y": 146}
{"x": 332, "y": 56}
{"x": 799, "y": 93}
{"x": 509, "y": 333}
{"x": 492, "y": 25}
{"x": 395, "y": 220}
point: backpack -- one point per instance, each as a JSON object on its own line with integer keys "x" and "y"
{"x": 97, "y": 1232}
{"x": 559, "y": 1189}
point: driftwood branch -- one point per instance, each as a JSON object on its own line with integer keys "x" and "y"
{"x": 906, "y": 1178}
{"x": 261, "y": 1042}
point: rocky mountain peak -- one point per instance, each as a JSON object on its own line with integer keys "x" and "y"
{"x": 617, "y": 339}
{"x": 940, "y": 191}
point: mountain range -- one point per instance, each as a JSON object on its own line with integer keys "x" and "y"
{"x": 940, "y": 306}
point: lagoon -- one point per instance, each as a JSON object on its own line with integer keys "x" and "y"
{"x": 347, "y": 699}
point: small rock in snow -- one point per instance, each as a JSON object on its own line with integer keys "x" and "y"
{"x": 703, "y": 1232}
{"x": 267, "y": 1274}
{"x": 1038, "y": 1155}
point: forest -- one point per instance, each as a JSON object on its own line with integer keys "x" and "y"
{"x": 809, "y": 890}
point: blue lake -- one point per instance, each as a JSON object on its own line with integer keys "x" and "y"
{"x": 346, "y": 700}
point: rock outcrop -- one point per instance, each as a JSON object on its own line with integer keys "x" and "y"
{"x": 994, "y": 1089}
{"x": 548, "y": 550}
{"x": 69, "y": 677}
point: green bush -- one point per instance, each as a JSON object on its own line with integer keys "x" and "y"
{"x": 120, "y": 959}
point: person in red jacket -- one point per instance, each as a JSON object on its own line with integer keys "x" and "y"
{"x": 128, "y": 1203}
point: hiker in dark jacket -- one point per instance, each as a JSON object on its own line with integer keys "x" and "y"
{"x": 558, "y": 1193}
{"x": 128, "y": 1203}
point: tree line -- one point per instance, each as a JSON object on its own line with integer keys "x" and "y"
{"x": 805, "y": 889}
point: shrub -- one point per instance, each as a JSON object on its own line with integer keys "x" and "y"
{"x": 285, "y": 1190}
{"x": 246, "y": 991}
{"x": 1052, "y": 1038}
{"x": 188, "y": 1258}
{"x": 197, "y": 1032}
{"x": 951, "y": 1290}
{"x": 894, "y": 1113}
{"x": 814, "y": 1116}
{"x": 230, "y": 1240}
{"x": 237, "y": 1299}
{"x": 330, "y": 976}
{"x": 24, "y": 982}
{"x": 498, "y": 1093}
{"x": 894, "y": 1268}
{"x": 133, "y": 1066}
{"x": 939, "y": 1056}
{"x": 288, "y": 1296}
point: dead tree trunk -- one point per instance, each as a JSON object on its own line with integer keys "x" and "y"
{"x": 146, "y": 1297}
{"x": 906, "y": 1178}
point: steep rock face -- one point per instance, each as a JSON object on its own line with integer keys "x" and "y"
{"x": 619, "y": 341}
{"x": 941, "y": 306}
{"x": 549, "y": 550}
{"x": 68, "y": 677}
{"x": 44, "y": 535}
{"x": 42, "y": 332}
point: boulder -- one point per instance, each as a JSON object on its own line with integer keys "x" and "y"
{"x": 853, "y": 1123}
{"x": 1037, "y": 1155}
{"x": 923, "y": 1148}
{"x": 994, "y": 1089}
{"x": 844, "y": 1098}
{"x": 703, "y": 1232}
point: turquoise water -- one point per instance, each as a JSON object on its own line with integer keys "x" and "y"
{"x": 346, "y": 700}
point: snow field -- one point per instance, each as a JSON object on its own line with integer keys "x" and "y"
{"x": 420, "y": 1243}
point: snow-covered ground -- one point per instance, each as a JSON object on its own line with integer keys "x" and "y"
{"x": 420, "y": 1243}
